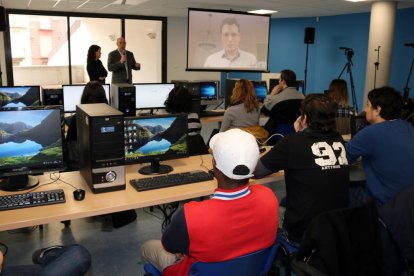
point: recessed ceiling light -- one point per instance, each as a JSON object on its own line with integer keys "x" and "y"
{"x": 262, "y": 11}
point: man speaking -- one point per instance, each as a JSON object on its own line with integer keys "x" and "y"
{"x": 121, "y": 62}
{"x": 231, "y": 55}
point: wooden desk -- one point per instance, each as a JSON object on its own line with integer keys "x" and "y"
{"x": 98, "y": 204}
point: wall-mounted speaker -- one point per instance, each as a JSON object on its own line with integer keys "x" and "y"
{"x": 309, "y": 35}
{"x": 2, "y": 19}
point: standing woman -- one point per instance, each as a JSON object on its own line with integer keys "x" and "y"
{"x": 244, "y": 110}
{"x": 95, "y": 68}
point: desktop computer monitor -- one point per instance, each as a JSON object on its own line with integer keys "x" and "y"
{"x": 31, "y": 142}
{"x": 72, "y": 95}
{"x": 209, "y": 91}
{"x": 153, "y": 139}
{"x": 151, "y": 95}
{"x": 19, "y": 96}
{"x": 300, "y": 85}
{"x": 273, "y": 83}
{"x": 260, "y": 87}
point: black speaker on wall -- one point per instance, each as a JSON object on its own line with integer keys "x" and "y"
{"x": 309, "y": 35}
{"x": 2, "y": 19}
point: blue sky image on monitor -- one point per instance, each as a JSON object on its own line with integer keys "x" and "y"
{"x": 30, "y": 137}
{"x": 19, "y": 96}
{"x": 153, "y": 136}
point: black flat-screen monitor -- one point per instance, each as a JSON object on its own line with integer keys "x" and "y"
{"x": 220, "y": 40}
{"x": 273, "y": 83}
{"x": 209, "y": 90}
{"x": 260, "y": 88}
{"x": 19, "y": 96}
{"x": 31, "y": 142}
{"x": 300, "y": 85}
{"x": 151, "y": 95}
{"x": 72, "y": 95}
{"x": 153, "y": 139}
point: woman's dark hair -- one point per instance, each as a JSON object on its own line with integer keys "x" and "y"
{"x": 92, "y": 53}
{"x": 289, "y": 77}
{"x": 179, "y": 100}
{"x": 390, "y": 101}
{"x": 93, "y": 93}
{"x": 319, "y": 111}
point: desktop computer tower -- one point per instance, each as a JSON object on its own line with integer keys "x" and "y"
{"x": 52, "y": 96}
{"x": 124, "y": 98}
{"x": 100, "y": 130}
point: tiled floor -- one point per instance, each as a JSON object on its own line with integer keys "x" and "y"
{"x": 113, "y": 253}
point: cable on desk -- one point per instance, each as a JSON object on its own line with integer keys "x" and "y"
{"x": 202, "y": 163}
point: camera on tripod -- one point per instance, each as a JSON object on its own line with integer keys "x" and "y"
{"x": 349, "y": 52}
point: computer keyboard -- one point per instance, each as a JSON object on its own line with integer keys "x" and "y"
{"x": 31, "y": 199}
{"x": 211, "y": 113}
{"x": 169, "y": 180}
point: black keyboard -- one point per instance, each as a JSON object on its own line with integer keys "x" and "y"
{"x": 211, "y": 113}
{"x": 170, "y": 180}
{"x": 9, "y": 202}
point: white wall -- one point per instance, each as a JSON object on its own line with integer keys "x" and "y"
{"x": 177, "y": 54}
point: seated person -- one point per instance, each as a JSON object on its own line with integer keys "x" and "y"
{"x": 338, "y": 92}
{"x": 386, "y": 147}
{"x": 211, "y": 230}
{"x": 315, "y": 165}
{"x": 72, "y": 260}
{"x": 179, "y": 100}
{"x": 283, "y": 102}
{"x": 244, "y": 107}
{"x": 92, "y": 93}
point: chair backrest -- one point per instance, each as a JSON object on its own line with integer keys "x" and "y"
{"x": 256, "y": 263}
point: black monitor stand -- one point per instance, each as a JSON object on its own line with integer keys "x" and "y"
{"x": 155, "y": 168}
{"x": 18, "y": 183}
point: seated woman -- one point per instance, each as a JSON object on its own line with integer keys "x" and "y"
{"x": 338, "y": 92}
{"x": 179, "y": 100}
{"x": 92, "y": 93}
{"x": 244, "y": 111}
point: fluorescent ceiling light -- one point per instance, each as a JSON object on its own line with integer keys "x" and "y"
{"x": 357, "y": 0}
{"x": 262, "y": 11}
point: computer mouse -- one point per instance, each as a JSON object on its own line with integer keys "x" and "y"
{"x": 79, "y": 194}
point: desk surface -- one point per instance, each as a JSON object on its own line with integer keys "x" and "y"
{"x": 98, "y": 204}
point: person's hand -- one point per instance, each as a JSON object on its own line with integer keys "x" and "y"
{"x": 137, "y": 66}
{"x": 102, "y": 78}
{"x": 123, "y": 59}
{"x": 277, "y": 89}
{"x": 300, "y": 123}
{"x": 1, "y": 261}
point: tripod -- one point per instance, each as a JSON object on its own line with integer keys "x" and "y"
{"x": 406, "y": 88}
{"x": 306, "y": 68}
{"x": 348, "y": 65}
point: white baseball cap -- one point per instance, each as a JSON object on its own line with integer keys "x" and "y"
{"x": 236, "y": 153}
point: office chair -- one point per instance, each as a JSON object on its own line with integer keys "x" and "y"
{"x": 286, "y": 249}
{"x": 256, "y": 263}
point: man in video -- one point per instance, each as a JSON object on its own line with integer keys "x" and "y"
{"x": 231, "y": 55}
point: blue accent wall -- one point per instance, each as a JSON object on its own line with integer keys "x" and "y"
{"x": 287, "y": 50}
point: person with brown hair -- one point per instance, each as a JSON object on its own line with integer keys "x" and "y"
{"x": 244, "y": 107}
{"x": 338, "y": 92}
